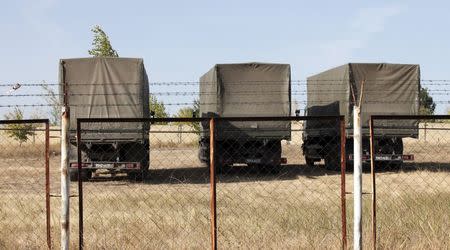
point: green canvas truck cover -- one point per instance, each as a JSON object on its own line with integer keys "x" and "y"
{"x": 248, "y": 90}
{"x": 389, "y": 89}
{"x": 106, "y": 87}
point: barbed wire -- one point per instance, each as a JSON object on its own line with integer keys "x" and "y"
{"x": 240, "y": 93}
{"x": 439, "y": 91}
{"x": 215, "y": 103}
{"x": 260, "y": 82}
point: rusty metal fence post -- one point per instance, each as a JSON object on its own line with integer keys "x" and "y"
{"x": 47, "y": 182}
{"x": 212, "y": 185}
{"x": 372, "y": 175}
{"x": 343, "y": 187}
{"x": 80, "y": 188}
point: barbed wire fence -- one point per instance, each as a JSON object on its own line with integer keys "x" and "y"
{"x": 297, "y": 205}
{"x": 435, "y": 88}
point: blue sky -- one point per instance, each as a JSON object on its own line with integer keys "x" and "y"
{"x": 181, "y": 40}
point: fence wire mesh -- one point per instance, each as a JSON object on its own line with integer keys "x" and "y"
{"x": 258, "y": 194}
{"x": 273, "y": 194}
{"x": 24, "y": 187}
{"x": 412, "y": 166}
{"x": 262, "y": 200}
{"x": 124, "y": 204}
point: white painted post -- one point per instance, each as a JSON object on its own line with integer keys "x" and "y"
{"x": 357, "y": 177}
{"x": 65, "y": 182}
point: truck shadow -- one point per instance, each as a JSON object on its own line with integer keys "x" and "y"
{"x": 235, "y": 174}
{"x": 413, "y": 167}
{"x": 240, "y": 174}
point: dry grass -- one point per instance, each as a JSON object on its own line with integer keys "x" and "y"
{"x": 296, "y": 208}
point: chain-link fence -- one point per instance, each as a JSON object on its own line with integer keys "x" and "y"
{"x": 143, "y": 185}
{"x": 24, "y": 184}
{"x": 412, "y": 182}
{"x": 262, "y": 192}
{"x": 277, "y": 185}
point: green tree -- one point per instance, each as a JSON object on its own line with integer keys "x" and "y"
{"x": 53, "y": 100}
{"x": 19, "y": 132}
{"x": 157, "y": 108}
{"x": 101, "y": 44}
{"x": 427, "y": 105}
{"x": 185, "y": 112}
{"x": 189, "y": 112}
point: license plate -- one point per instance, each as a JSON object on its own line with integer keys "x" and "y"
{"x": 100, "y": 165}
{"x": 387, "y": 158}
{"x": 254, "y": 161}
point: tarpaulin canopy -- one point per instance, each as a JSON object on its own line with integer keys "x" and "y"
{"x": 389, "y": 89}
{"x": 248, "y": 90}
{"x": 105, "y": 87}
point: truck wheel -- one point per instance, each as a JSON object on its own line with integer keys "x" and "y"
{"x": 273, "y": 150}
{"x": 390, "y": 165}
{"x": 332, "y": 162}
{"x": 73, "y": 176}
{"x": 332, "y": 156}
{"x": 140, "y": 154}
{"x": 398, "y": 148}
{"x": 85, "y": 175}
{"x": 309, "y": 162}
{"x": 222, "y": 169}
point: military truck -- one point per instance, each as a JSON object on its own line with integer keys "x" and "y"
{"x": 104, "y": 87}
{"x": 246, "y": 90}
{"x": 388, "y": 89}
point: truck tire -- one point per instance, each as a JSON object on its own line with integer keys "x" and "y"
{"x": 85, "y": 175}
{"x": 398, "y": 149}
{"x": 73, "y": 176}
{"x": 141, "y": 154}
{"x": 332, "y": 163}
{"x": 309, "y": 161}
{"x": 141, "y": 174}
{"x": 274, "y": 150}
{"x": 332, "y": 158}
{"x": 222, "y": 169}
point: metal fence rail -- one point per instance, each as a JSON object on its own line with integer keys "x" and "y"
{"x": 24, "y": 184}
